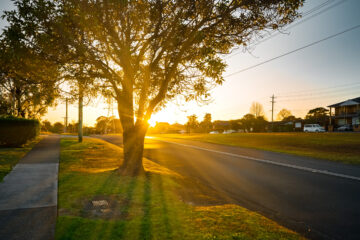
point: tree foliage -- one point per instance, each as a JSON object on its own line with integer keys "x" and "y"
{"x": 318, "y": 115}
{"x": 206, "y": 124}
{"x": 107, "y": 125}
{"x": 192, "y": 124}
{"x": 147, "y": 52}
{"x": 28, "y": 81}
{"x": 283, "y": 114}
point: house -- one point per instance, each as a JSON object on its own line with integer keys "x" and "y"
{"x": 346, "y": 112}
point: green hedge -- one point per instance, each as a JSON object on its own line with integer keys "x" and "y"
{"x": 15, "y": 132}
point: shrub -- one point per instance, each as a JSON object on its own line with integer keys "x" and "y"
{"x": 15, "y": 132}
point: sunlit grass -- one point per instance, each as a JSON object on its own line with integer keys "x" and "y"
{"x": 9, "y": 157}
{"x": 145, "y": 207}
{"x": 341, "y": 147}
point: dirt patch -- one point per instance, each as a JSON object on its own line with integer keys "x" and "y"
{"x": 106, "y": 207}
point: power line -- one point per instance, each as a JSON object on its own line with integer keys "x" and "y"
{"x": 345, "y": 89}
{"x": 335, "y": 94}
{"x": 302, "y": 21}
{"x": 319, "y": 89}
{"x": 276, "y": 33}
{"x": 293, "y": 51}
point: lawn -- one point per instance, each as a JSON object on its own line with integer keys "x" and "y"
{"x": 341, "y": 147}
{"x": 145, "y": 207}
{"x": 9, "y": 157}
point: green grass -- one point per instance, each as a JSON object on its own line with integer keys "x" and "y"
{"x": 145, "y": 207}
{"x": 9, "y": 157}
{"x": 341, "y": 147}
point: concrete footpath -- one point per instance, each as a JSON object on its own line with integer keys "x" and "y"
{"x": 28, "y": 194}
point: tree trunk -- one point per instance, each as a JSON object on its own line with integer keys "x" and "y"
{"x": 80, "y": 125}
{"x": 133, "y": 142}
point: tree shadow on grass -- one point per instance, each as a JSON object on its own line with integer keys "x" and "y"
{"x": 155, "y": 182}
{"x": 145, "y": 228}
{"x": 165, "y": 211}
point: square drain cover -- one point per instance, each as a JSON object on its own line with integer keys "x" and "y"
{"x": 100, "y": 204}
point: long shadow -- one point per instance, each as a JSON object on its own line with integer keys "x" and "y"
{"x": 165, "y": 211}
{"x": 104, "y": 229}
{"x": 145, "y": 228}
{"x": 119, "y": 226}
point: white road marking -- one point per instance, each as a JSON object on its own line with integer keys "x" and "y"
{"x": 325, "y": 172}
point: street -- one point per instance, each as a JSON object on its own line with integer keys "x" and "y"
{"x": 317, "y": 198}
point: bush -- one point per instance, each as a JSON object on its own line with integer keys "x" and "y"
{"x": 15, "y": 132}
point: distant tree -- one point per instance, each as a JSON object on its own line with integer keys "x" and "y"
{"x": 46, "y": 126}
{"x": 115, "y": 125}
{"x": 101, "y": 125}
{"x": 148, "y": 52}
{"x": 192, "y": 124}
{"x": 58, "y": 127}
{"x": 236, "y": 124}
{"x": 284, "y": 113}
{"x": 260, "y": 124}
{"x": 248, "y": 122}
{"x": 257, "y": 109}
{"x": 5, "y": 106}
{"x": 72, "y": 127}
{"x": 206, "y": 125}
{"x": 318, "y": 115}
{"x": 317, "y": 112}
{"x": 291, "y": 118}
{"x": 106, "y": 125}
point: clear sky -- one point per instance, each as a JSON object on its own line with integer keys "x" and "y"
{"x": 320, "y": 75}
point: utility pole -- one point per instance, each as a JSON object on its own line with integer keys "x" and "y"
{"x": 80, "y": 125}
{"x": 110, "y": 113}
{"x": 66, "y": 115}
{"x": 272, "y": 112}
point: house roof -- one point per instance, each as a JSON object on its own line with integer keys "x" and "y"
{"x": 348, "y": 102}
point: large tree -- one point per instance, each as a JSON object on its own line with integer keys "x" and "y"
{"x": 147, "y": 52}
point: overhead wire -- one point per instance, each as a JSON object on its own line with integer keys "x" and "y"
{"x": 354, "y": 86}
{"x": 293, "y": 51}
{"x": 276, "y": 33}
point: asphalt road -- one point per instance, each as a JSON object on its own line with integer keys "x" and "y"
{"x": 319, "y": 199}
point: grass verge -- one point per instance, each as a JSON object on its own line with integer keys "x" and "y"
{"x": 9, "y": 157}
{"x": 146, "y": 207}
{"x": 340, "y": 147}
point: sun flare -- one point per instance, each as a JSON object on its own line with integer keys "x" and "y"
{"x": 166, "y": 115}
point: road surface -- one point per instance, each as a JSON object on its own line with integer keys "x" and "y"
{"x": 319, "y": 199}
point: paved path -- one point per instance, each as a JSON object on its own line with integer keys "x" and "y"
{"x": 28, "y": 194}
{"x": 317, "y": 198}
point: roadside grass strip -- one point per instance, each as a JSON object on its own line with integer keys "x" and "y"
{"x": 95, "y": 202}
{"x": 338, "y": 147}
{"x": 9, "y": 157}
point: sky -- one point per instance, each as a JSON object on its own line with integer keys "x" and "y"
{"x": 317, "y": 76}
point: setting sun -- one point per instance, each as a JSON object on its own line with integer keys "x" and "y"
{"x": 165, "y": 115}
